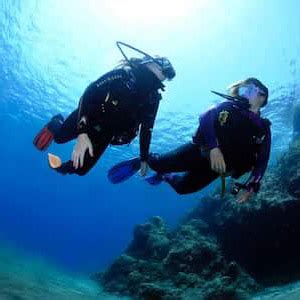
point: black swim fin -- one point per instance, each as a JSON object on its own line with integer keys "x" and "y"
{"x": 124, "y": 170}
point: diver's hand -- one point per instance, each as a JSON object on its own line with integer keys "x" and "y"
{"x": 83, "y": 144}
{"x": 217, "y": 161}
{"x": 144, "y": 169}
{"x": 244, "y": 197}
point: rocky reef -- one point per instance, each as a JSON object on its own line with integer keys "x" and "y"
{"x": 222, "y": 250}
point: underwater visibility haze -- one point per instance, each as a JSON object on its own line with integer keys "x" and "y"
{"x": 51, "y": 50}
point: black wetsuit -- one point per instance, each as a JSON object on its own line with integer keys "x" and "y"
{"x": 112, "y": 110}
{"x": 243, "y": 137}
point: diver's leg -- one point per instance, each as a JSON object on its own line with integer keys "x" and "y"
{"x": 99, "y": 146}
{"x": 68, "y": 129}
{"x": 182, "y": 159}
{"x": 58, "y": 130}
{"x": 190, "y": 182}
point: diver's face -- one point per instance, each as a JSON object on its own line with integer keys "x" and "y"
{"x": 261, "y": 99}
{"x": 156, "y": 69}
{"x": 160, "y": 74}
{"x": 255, "y": 96}
{"x": 257, "y": 101}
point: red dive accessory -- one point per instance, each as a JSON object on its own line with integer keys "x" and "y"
{"x": 45, "y": 137}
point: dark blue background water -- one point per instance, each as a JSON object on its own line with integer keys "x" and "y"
{"x": 49, "y": 52}
{"x": 81, "y": 223}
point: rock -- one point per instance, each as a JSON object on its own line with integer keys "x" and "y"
{"x": 150, "y": 240}
{"x": 188, "y": 280}
{"x": 115, "y": 279}
{"x": 193, "y": 260}
{"x": 218, "y": 245}
{"x": 221, "y": 289}
{"x": 158, "y": 291}
{"x": 288, "y": 174}
{"x": 191, "y": 256}
{"x": 294, "y": 186}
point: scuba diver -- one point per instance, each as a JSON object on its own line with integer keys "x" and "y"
{"x": 231, "y": 140}
{"x": 112, "y": 111}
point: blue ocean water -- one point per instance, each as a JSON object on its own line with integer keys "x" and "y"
{"x": 51, "y": 50}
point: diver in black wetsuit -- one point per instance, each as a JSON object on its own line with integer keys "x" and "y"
{"x": 232, "y": 139}
{"x": 112, "y": 111}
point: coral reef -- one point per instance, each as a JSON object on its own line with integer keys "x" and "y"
{"x": 222, "y": 250}
{"x": 161, "y": 265}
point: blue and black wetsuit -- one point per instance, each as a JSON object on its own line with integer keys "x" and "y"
{"x": 112, "y": 110}
{"x": 243, "y": 137}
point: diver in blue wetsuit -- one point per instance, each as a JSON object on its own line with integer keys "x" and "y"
{"x": 231, "y": 139}
{"x": 112, "y": 111}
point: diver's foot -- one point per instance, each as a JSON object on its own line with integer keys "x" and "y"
{"x": 45, "y": 137}
{"x": 155, "y": 179}
{"x": 159, "y": 178}
{"x": 54, "y": 161}
{"x": 55, "y": 123}
{"x": 168, "y": 177}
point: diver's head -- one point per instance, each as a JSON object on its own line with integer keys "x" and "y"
{"x": 251, "y": 89}
{"x": 161, "y": 67}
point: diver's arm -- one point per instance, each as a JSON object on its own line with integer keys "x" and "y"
{"x": 145, "y": 139}
{"x": 253, "y": 183}
{"x": 147, "y": 127}
{"x": 206, "y": 137}
{"x": 206, "y": 134}
{"x": 83, "y": 121}
{"x": 83, "y": 144}
{"x": 83, "y": 117}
